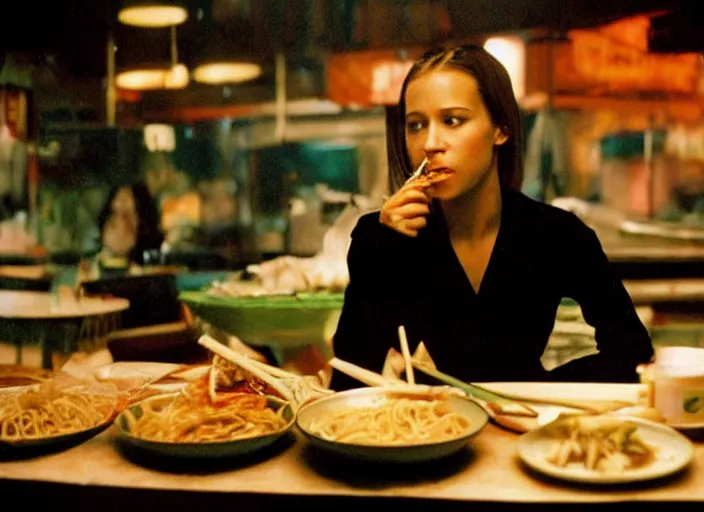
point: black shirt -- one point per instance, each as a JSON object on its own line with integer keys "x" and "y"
{"x": 542, "y": 254}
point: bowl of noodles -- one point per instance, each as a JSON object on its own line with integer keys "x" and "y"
{"x": 48, "y": 416}
{"x": 188, "y": 427}
{"x": 386, "y": 425}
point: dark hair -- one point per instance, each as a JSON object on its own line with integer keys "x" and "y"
{"x": 497, "y": 94}
{"x": 149, "y": 235}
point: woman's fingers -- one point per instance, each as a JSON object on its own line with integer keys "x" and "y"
{"x": 405, "y": 211}
{"x": 410, "y": 210}
{"x": 410, "y": 227}
{"x": 408, "y": 195}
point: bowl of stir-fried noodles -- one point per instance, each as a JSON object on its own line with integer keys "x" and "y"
{"x": 198, "y": 427}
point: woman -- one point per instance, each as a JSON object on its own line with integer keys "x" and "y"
{"x": 129, "y": 223}
{"x": 469, "y": 265}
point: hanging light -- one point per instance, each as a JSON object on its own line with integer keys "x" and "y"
{"x": 226, "y": 72}
{"x": 165, "y": 73}
{"x": 222, "y": 60}
{"x": 152, "y": 13}
{"x": 175, "y": 77}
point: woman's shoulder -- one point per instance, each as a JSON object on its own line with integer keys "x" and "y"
{"x": 543, "y": 216}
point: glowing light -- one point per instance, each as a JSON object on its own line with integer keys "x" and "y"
{"x": 511, "y": 52}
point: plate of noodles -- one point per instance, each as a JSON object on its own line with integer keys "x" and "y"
{"x": 605, "y": 449}
{"x": 386, "y": 425}
{"x": 198, "y": 427}
{"x": 47, "y": 416}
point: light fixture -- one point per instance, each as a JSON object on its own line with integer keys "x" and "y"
{"x": 159, "y": 137}
{"x": 152, "y": 13}
{"x": 221, "y": 60}
{"x": 217, "y": 73}
{"x": 511, "y": 52}
{"x": 174, "y": 77}
{"x": 164, "y": 72}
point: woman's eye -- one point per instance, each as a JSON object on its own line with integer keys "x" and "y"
{"x": 453, "y": 121}
{"x": 414, "y": 126}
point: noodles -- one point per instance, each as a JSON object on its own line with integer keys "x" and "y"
{"x": 396, "y": 422}
{"x": 192, "y": 417}
{"x": 49, "y": 413}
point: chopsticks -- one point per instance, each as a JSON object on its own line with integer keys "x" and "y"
{"x": 410, "y": 377}
{"x": 245, "y": 363}
{"x": 416, "y": 174}
{"x": 294, "y": 388}
{"x": 363, "y": 375}
{"x": 508, "y": 404}
{"x": 373, "y": 379}
{"x": 504, "y": 404}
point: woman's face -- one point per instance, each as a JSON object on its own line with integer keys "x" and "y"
{"x": 123, "y": 203}
{"x": 447, "y": 120}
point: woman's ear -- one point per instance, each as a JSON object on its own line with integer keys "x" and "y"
{"x": 500, "y": 136}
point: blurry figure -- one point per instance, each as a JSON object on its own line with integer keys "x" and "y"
{"x": 129, "y": 223}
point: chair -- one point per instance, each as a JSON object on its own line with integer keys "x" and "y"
{"x": 153, "y": 298}
{"x": 9, "y": 330}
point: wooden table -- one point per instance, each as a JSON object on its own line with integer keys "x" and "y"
{"x": 48, "y": 318}
{"x": 293, "y": 473}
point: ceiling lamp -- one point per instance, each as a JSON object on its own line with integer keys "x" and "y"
{"x": 221, "y": 59}
{"x": 156, "y": 72}
{"x": 175, "y": 77}
{"x": 217, "y": 73}
{"x": 152, "y": 13}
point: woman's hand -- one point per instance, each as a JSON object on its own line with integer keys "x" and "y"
{"x": 405, "y": 211}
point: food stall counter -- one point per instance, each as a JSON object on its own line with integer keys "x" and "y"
{"x": 295, "y": 473}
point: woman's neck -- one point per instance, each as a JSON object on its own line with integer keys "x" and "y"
{"x": 477, "y": 213}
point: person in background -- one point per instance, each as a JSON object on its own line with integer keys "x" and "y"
{"x": 469, "y": 265}
{"x": 129, "y": 223}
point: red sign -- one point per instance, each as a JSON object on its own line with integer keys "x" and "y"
{"x": 618, "y": 66}
{"x": 368, "y": 77}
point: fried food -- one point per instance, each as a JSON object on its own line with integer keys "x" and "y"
{"x": 429, "y": 178}
{"x": 600, "y": 443}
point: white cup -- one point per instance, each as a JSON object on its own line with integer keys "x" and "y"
{"x": 678, "y": 385}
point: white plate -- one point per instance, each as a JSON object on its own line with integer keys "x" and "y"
{"x": 629, "y": 393}
{"x": 673, "y": 452}
{"x": 687, "y": 426}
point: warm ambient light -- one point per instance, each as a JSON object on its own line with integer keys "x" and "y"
{"x": 511, "y": 52}
{"x": 159, "y": 137}
{"x": 152, "y": 15}
{"x": 144, "y": 79}
{"x": 226, "y": 72}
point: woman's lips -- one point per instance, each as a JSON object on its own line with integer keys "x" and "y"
{"x": 436, "y": 175}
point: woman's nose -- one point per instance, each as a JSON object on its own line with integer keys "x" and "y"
{"x": 434, "y": 141}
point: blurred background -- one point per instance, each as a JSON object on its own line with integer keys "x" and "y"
{"x": 254, "y": 124}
